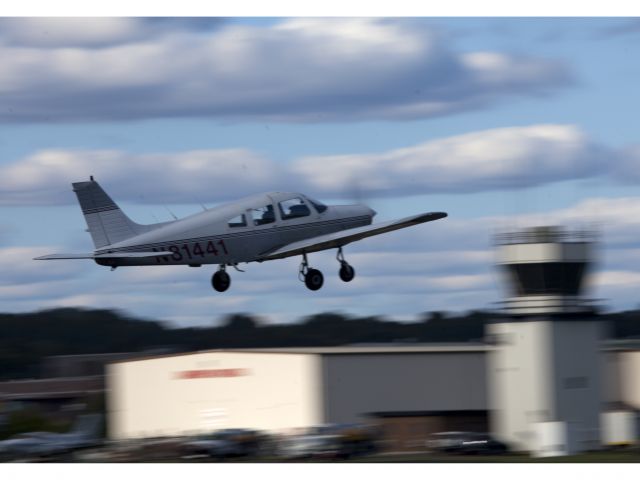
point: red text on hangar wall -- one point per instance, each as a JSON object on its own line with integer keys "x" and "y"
{"x": 212, "y": 373}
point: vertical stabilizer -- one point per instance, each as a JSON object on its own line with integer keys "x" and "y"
{"x": 107, "y": 223}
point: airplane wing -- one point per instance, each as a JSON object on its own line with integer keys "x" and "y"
{"x": 339, "y": 239}
{"x": 92, "y": 256}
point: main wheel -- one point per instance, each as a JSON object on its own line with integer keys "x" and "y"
{"x": 221, "y": 281}
{"x": 313, "y": 279}
{"x": 347, "y": 272}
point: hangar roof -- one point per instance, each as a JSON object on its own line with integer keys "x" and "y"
{"x": 400, "y": 348}
{"x": 361, "y": 349}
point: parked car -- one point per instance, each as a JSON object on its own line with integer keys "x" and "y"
{"x": 310, "y": 446}
{"x": 339, "y": 441}
{"x": 465, "y": 443}
{"x": 235, "y": 442}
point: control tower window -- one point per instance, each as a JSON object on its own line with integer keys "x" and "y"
{"x": 552, "y": 278}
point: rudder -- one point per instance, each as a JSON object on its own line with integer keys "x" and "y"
{"x": 106, "y": 222}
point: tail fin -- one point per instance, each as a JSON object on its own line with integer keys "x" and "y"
{"x": 107, "y": 223}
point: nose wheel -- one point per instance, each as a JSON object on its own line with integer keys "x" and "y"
{"x": 221, "y": 281}
{"x": 311, "y": 277}
{"x": 346, "y": 272}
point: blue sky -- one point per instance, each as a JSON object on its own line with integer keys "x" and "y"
{"x": 502, "y": 122}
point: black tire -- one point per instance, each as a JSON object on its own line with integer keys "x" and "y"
{"x": 347, "y": 272}
{"x": 221, "y": 281}
{"x": 313, "y": 279}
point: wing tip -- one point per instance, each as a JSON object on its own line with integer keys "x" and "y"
{"x": 431, "y": 216}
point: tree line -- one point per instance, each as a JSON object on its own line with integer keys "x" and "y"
{"x": 27, "y": 338}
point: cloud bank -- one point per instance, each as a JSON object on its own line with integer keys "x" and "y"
{"x": 299, "y": 70}
{"x": 495, "y": 159}
{"x": 504, "y": 158}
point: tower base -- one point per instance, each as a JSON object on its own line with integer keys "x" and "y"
{"x": 546, "y": 370}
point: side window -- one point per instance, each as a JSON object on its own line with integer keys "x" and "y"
{"x": 263, "y": 215}
{"x": 293, "y": 208}
{"x": 239, "y": 221}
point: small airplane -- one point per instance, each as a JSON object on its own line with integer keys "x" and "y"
{"x": 262, "y": 227}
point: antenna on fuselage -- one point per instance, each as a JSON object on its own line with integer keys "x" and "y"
{"x": 200, "y": 203}
{"x": 170, "y": 212}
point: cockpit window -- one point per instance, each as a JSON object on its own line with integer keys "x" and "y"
{"x": 263, "y": 215}
{"x": 293, "y": 208}
{"x": 239, "y": 221}
{"x": 319, "y": 206}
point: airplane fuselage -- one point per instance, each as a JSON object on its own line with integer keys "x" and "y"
{"x": 238, "y": 232}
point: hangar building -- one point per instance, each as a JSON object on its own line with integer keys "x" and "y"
{"x": 410, "y": 390}
{"x": 544, "y": 382}
{"x": 294, "y": 388}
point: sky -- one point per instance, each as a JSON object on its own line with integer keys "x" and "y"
{"x": 502, "y": 122}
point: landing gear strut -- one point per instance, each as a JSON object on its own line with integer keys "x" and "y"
{"x": 311, "y": 277}
{"x": 221, "y": 280}
{"x": 346, "y": 272}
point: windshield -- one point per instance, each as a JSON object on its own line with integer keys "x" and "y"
{"x": 319, "y": 206}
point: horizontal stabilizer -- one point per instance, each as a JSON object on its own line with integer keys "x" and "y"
{"x": 340, "y": 239}
{"x": 91, "y": 256}
{"x": 65, "y": 256}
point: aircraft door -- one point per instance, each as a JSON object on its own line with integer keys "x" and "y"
{"x": 263, "y": 219}
{"x": 299, "y": 220}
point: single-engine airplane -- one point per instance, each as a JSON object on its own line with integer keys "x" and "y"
{"x": 262, "y": 227}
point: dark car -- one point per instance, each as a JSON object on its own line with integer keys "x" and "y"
{"x": 470, "y": 443}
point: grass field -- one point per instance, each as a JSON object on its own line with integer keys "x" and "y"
{"x": 615, "y": 456}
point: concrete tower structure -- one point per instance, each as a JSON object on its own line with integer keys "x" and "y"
{"x": 545, "y": 367}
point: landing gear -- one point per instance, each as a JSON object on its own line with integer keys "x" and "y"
{"x": 311, "y": 277}
{"x": 221, "y": 280}
{"x": 346, "y": 272}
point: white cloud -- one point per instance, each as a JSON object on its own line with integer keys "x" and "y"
{"x": 18, "y": 267}
{"x": 68, "y": 32}
{"x": 616, "y": 278}
{"x": 95, "y": 32}
{"x": 296, "y": 70}
{"x": 504, "y": 158}
{"x": 486, "y": 160}
{"x": 145, "y": 178}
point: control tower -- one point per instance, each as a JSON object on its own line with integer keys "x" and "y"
{"x": 545, "y": 366}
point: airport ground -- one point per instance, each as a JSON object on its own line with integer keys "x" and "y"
{"x": 627, "y": 455}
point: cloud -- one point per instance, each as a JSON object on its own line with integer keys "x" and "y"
{"x": 504, "y": 158}
{"x": 626, "y": 27}
{"x": 94, "y": 32}
{"x": 186, "y": 177}
{"x": 615, "y": 220}
{"x": 495, "y": 159}
{"x": 296, "y": 70}
{"x": 18, "y": 268}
